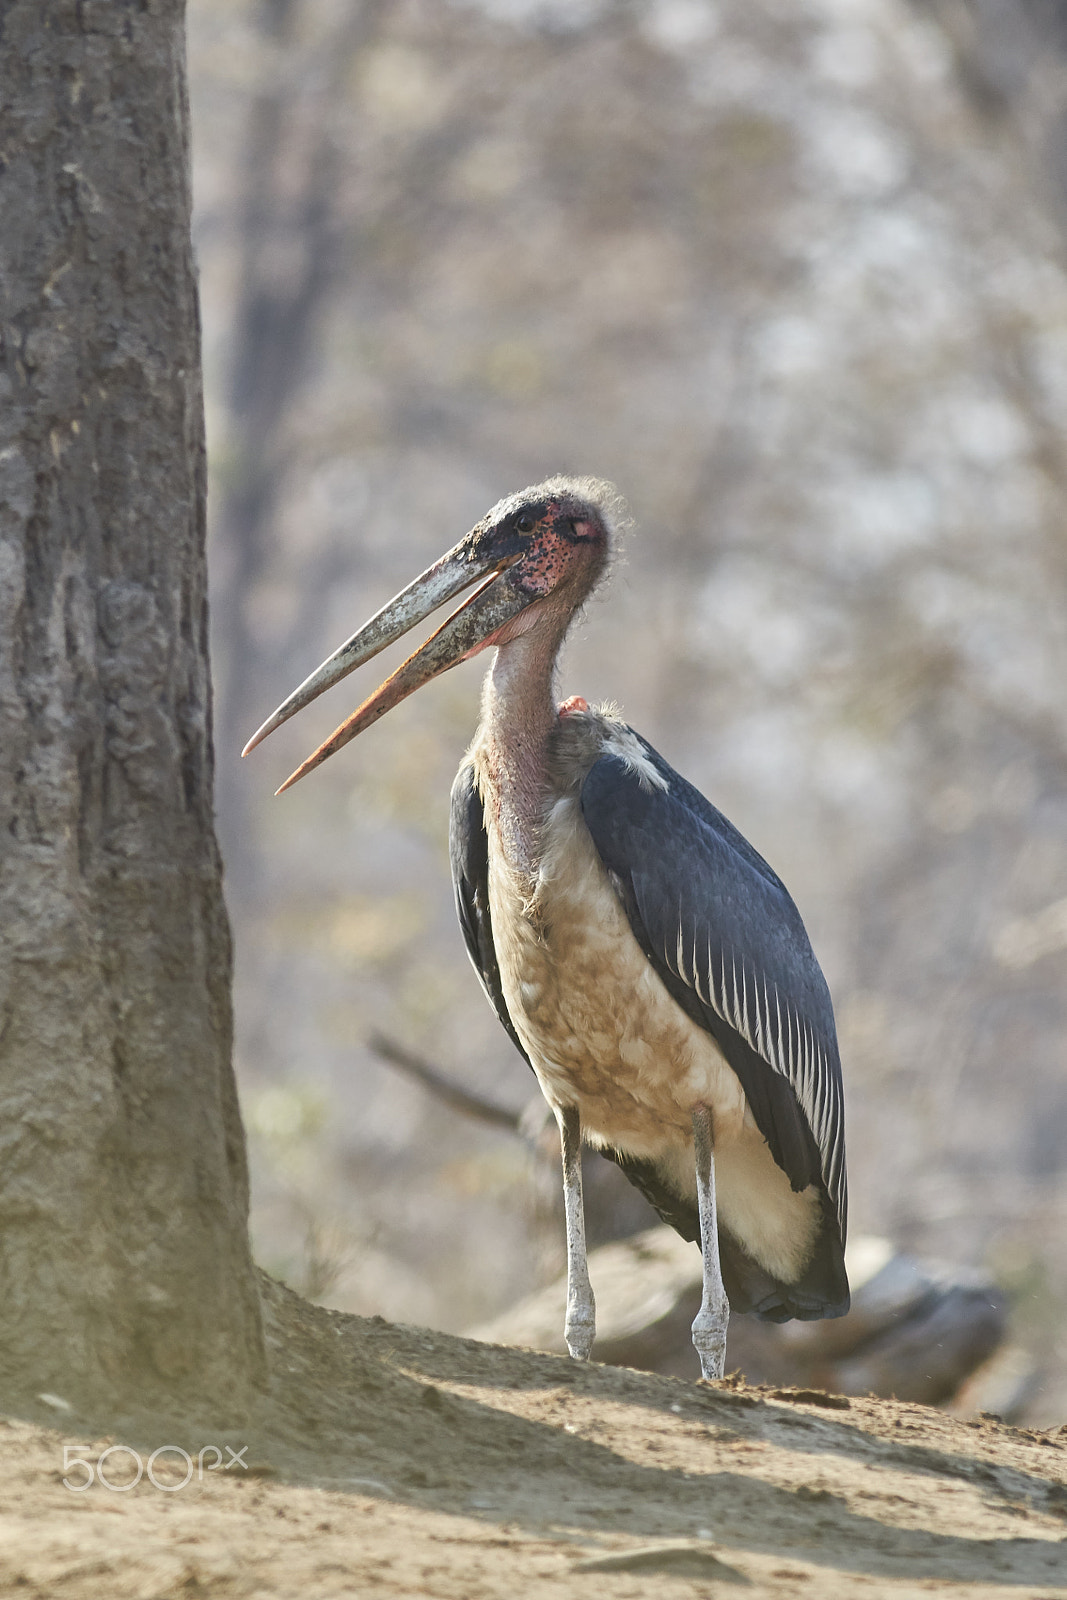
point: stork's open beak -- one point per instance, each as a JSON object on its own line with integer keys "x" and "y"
{"x": 469, "y": 628}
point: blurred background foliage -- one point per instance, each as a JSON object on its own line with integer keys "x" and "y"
{"x": 791, "y": 272}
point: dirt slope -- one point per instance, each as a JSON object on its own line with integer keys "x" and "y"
{"x": 393, "y": 1461}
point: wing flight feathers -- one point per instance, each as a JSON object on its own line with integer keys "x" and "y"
{"x": 727, "y": 941}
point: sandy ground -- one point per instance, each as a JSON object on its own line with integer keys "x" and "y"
{"x": 392, "y": 1461}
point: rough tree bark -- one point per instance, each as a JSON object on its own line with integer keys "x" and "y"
{"x": 124, "y": 1261}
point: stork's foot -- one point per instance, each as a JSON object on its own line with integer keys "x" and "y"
{"x": 709, "y": 1335}
{"x": 579, "y": 1329}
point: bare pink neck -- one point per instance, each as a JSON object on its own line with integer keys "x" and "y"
{"x": 518, "y": 716}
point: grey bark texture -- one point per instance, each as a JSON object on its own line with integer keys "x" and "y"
{"x": 125, "y": 1270}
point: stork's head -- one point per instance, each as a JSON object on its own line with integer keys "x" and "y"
{"x": 539, "y": 553}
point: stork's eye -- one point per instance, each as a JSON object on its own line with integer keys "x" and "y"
{"x": 525, "y": 523}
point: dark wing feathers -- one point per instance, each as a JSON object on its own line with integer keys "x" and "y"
{"x": 728, "y": 943}
{"x": 468, "y": 850}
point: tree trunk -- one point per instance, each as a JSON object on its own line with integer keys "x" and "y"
{"x": 124, "y": 1260}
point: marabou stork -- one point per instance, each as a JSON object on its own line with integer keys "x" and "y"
{"x": 643, "y": 958}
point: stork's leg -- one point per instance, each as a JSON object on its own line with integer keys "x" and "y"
{"x": 579, "y": 1329}
{"x": 712, "y": 1320}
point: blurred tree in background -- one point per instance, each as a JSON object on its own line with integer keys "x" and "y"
{"x": 792, "y": 275}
